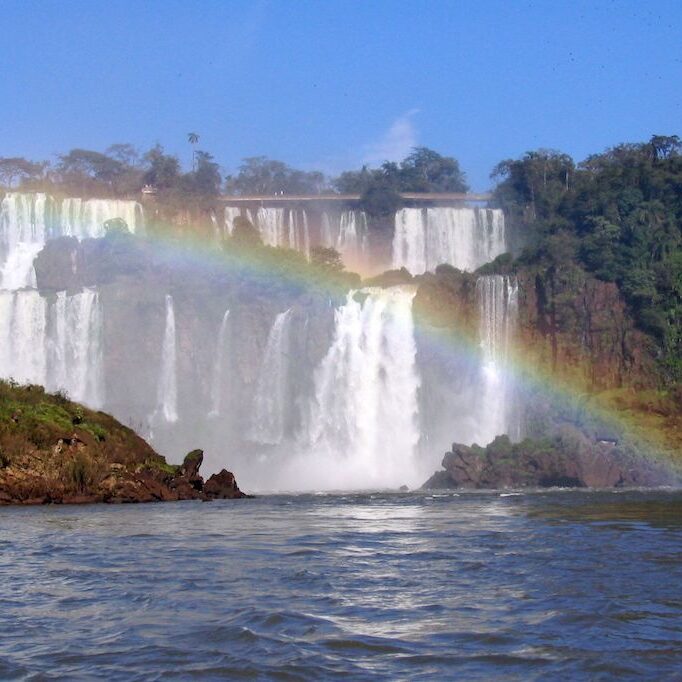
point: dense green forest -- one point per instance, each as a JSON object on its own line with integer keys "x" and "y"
{"x": 616, "y": 215}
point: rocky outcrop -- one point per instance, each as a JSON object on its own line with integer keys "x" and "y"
{"x": 56, "y": 451}
{"x": 569, "y": 460}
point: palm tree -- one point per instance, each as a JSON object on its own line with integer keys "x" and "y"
{"x": 193, "y": 138}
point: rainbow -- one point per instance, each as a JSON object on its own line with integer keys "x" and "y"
{"x": 289, "y": 269}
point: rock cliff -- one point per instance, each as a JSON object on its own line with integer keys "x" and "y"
{"x": 55, "y": 451}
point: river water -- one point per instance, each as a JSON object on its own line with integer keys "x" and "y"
{"x": 554, "y": 585}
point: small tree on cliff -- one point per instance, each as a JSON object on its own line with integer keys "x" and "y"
{"x": 326, "y": 259}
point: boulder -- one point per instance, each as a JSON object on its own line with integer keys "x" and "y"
{"x": 569, "y": 460}
{"x": 222, "y": 486}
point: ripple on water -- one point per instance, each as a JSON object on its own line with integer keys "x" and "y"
{"x": 550, "y": 585}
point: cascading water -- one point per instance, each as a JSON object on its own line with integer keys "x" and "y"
{"x": 84, "y": 218}
{"x": 74, "y": 347}
{"x": 282, "y": 227}
{"x": 167, "y": 387}
{"x": 465, "y": 238}
{"x": 23, "y": 336}
{"x": 24, "y": 223}
{"x": 56, "y": 344}
{"x": 218, "y": 378}
{"x": 363, "y": 427}
{"x": 498, "y": 311}
{"x": 270, "y": 400}
{"x": 231, "y": 212}
{"x": 347, "y": 232}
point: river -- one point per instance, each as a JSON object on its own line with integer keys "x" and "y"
{"x": 543, "y": 585}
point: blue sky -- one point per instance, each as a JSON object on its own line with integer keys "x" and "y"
{"x": 334, "y": 84}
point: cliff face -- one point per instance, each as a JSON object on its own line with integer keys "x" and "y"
{"x": 572, "y": 333}
{"x": 55, "y": 451}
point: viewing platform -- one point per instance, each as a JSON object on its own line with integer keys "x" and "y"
{"x": 410, "y": 198}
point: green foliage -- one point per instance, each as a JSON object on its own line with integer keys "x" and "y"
{"x": 618, "y": 216}
{"x": 380, "y": 200}
{"x": 326, "y": 258}
{"x": 17, "y": 168}
{"x": 259, "y": 175}
{"x": 424, "y": 170}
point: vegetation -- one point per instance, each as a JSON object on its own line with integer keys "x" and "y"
{"x": 616, "y": 216}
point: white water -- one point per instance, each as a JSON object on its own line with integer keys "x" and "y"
{"x": 56, "y": 344}
{"x": 363, "y": 428}
{"x": 217, "y": 380}
{"x": 231, "y": 212}
{"x": 282, "y": 227}
{"x": 465, "y": 238}
{"x": 27, "y": 220}
{"x": 23, "y": 336}
{"x": 167, "y": 387}
{"x": 84, "y": 218}
{"x": 74, "y": 347}
{"x": 498, "y": 311}
{"x": 272, "y": 391}
{"x": 23, "y": 231}
{"x": 347, "y": 232}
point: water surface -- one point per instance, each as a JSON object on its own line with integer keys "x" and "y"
{"x": 570, "y": 585}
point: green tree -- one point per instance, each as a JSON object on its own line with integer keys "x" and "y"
{"x": 326, "y": 259}
{"x": 193, "y": 139}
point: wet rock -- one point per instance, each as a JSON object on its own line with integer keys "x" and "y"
{"x": 223, "y": 486}
{"x": 569, "y": 460}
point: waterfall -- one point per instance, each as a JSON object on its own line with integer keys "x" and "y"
{"x": 167, "y": 388}
{"x": 74, "y": 347}
{"x": 270, "y": 401}
{"x": 24, "y": 222}
{"x": 498, "y": 311}
{"x": 466, "y": 238}
{"x": 84, "y": 218}
{"x": 347, "y": 232}
{"x": 23, "y": 336}
{"x": 299, "y": 232}
{"x": 57, "y": 345}
{"x": 282, "y": 227}
{"x": 219, "y": 367}
{"x": 363, "y": 428}
{"x": 231, "y": 212}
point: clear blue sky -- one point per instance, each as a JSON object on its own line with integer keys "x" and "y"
{"x": 332, "y": 84}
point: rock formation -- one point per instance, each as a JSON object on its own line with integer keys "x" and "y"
{"x": 56, "y": 451}
{"x": 569, "y": 460}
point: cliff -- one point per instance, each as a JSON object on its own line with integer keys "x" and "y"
{"x": 577, "y": 353}
{"x": 55, "y": 451}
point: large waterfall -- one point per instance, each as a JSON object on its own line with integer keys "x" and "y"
{"x": 24, "y": 223}
{"x": 465, "y": 238}
{"x": 498, "y": 310}
{"x": 270, "y": 401}
{"x": 86, "y": 217}
{"x": 347, "y": 232}
{"x": 75, "y": 347}
{"x": 27, "y": 220}
{"x": 363, "y": 428}
{"x": 282, "y": 227}
{"x": 57, "y": 344}
{"x": 167, "y": 387}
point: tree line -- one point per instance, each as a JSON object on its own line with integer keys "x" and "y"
{"x": 616, "y": 215}
{"x": 121, "y": 170}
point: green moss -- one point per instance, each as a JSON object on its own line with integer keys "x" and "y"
{"x": 161, "y": 465}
